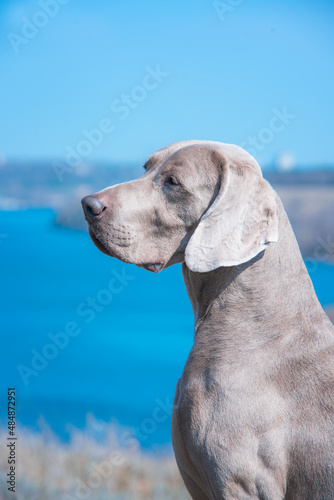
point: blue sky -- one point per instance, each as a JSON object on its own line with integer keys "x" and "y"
{"x": 229, "y": 76}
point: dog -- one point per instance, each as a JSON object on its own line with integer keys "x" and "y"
{"x": 254, "y": 410}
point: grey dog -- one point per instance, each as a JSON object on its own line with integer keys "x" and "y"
{"x": 254, "y": 410}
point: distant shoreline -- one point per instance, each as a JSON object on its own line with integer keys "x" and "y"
{"x": 307, "y": 196}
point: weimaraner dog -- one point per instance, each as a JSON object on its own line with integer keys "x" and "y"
{"x": 254, "y": 410}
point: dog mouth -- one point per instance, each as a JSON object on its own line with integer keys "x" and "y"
{"x": 150, "y": 266}
{"x": 154, "y": 268}
{"x": 99, "y": 244}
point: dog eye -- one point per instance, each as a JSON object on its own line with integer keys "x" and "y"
{"x": 171, "y": 181}
{"x": 146, "y": 165}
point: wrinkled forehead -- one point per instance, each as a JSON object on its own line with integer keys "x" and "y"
{"x": 188, "y": 157}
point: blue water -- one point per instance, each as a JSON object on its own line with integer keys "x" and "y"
{"x": 127, "y": 355}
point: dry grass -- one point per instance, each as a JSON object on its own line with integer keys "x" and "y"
{"x": 93, "y": 465}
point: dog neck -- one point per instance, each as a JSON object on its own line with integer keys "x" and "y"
{"x": 258, "y": 299}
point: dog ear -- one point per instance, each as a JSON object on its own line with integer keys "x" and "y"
{"x": 240, "y": 223}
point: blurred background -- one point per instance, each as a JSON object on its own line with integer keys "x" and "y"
{"x": 89, "y": 90}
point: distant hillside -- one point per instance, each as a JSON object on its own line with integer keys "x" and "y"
{"x": 308, "y": 196}
{"x": 316, "y": 177}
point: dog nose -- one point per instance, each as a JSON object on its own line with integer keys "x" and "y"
{"x": 92, "y": 206}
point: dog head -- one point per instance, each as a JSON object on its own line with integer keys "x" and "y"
{"x": 205, "y": 203}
